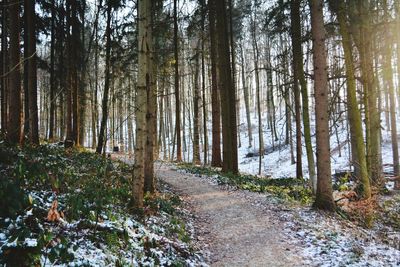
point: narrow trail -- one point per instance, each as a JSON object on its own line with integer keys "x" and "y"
{"x": 229, "y": 226}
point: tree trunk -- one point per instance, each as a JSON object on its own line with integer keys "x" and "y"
{"x": 228, "y": 99}
{"x": 107, "y": 74}
{"x": 203, "y": 89}
{"x": 257, "y": 77}
{"x": 15, "y": 108}
{"x": 4, "y": 68}
{"x": 60, "y": 72}
{"x": 32, "y": 73}
{"x": 75, "y": 45}
{"x": 389, "y": 86}
{"x": 370, "y": 92}
{"x": 151, "y": 115}
{"x": 81, "y": 97}
{"x": 177, "y": 101}
{"x": 69, "y": 135}
{"x": 215, "y": 100}
{"x": 354, "y": 113}
{"x": 144, "y": 86}
{"x": 52, "y": 72}
{"x": 25, "y": 99}
{"x": 246, "y": 98}
{"x": 196, "y": 120}
{"x": 233, "y": 62}
{"x": 324, "y": 199}
{"x": 299, "y": 76}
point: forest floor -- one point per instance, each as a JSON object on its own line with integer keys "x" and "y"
{"x": 231, "y": 229}
{"x": 198, "y": 217}
{"x": 236, "y": 227}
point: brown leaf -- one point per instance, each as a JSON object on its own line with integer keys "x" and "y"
{"x": 53, "y": 214}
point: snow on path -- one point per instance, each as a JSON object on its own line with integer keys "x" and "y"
{"x": 236, "y": 232}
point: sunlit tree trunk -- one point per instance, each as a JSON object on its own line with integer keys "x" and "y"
{"x": 370, "y": 83}
{"x": 354, "y": 113}
{"x": 143, "y": 88}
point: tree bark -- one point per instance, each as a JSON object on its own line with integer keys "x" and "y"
{"x": 107, "y": 74}
{"x": 177, "y": 101}
{"x": 32, "y": 73}
{"x": 69, "y": 135}
{"x": 246, "y": 98}
{"x": 4, "y": 68}
{"x": 151, "y": 115}
{"x": 25, "y": 76}
{"x": 324, "y": 199}
{"x": 52, "y": 73}
{"x": 354, "y": 113}
{"x": 196, "y": 119}
{"x": 144, "y": 84}
{"x": 75, "y": 46}
{"x": 228, "y": 99}
{"x": 258, "y": 97}
{"x": 299, "y": 76}
{"x": 372, "y": 117}
{"x": 216, "y": 160}
{"x": 15, "y": 108}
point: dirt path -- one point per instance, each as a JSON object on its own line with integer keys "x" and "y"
{"x": 236, "y": 232}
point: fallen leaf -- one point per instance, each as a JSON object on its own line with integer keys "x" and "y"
{"x": 53, "y": 215}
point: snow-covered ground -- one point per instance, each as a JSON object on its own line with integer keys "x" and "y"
{"x": 323, "y": 239}
{"x": 145, "y": 242}
{"x": 277, "y": 162}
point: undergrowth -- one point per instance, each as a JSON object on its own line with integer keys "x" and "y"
{"x": 89, "y": 189}
{"x": 289, "y": 189}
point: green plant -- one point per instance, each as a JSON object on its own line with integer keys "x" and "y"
{"x": 290, "y": 189}
{"x": 13, "y": 198}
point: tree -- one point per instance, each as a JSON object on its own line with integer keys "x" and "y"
{"x": 363, "y": 36}
{"x": 296, "y": 89}
{"x": 300, "y": 80}
{"x": 215, "y": 99}
{"x": 324, "y": 199}
{"x": 4, "y": 68}
{"x": 69, "y": 139}
{"x": 196, "y": 100}
{"x": 151, "y": 106}
{"x": 52, "y": 72}
{"x": 15, "y": 109}
{"x": 143, "y": 86}
{"x": 177, "y": 101}
{"x": 103, "y": 126}
{"x": 246, "y": 97}
{"x": 257, "y": 77}
{"x": 74, "y": 77}
{"x": 388, "y": 80}
{"x": 32, "y": 72}
{"x": 228, "y": 96}
{"x": 353, "y": 112}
